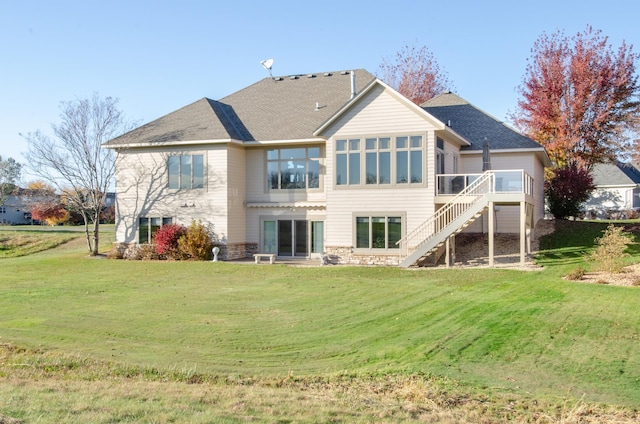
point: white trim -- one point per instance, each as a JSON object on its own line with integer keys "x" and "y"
{"x": 172, "y": 143}
{"x": 618, "y": 186}
{"x": 310, "y": 205}
{"x": 318, "y": 140}
{"x": 492, "y": 151}
{"x": 220, "y": 141}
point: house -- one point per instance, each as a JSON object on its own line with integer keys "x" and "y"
{"x": 617, "y": 190}
{"x": 14, "y": 210}
{"x": 334, "y": 165}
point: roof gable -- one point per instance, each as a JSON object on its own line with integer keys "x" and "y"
{"x": 386, "y": 88}
{"x": 476, "y": 125}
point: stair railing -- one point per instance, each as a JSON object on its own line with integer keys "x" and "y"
{"x": 457, "y": 206}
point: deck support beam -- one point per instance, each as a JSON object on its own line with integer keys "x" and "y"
{"x": 523, "y": 232}
{"x": 491, "y": 219}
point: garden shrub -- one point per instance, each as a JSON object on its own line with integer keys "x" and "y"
{"x": 576, "y": 274}
{"x": 141, "y": 252}
{"x": 117, "y": 251}
{"x": 610, "y": 249}
{"x": 166, "y": 240}
{"x": 196, "y": 243}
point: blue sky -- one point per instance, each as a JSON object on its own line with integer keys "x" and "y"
{"x": 157, "y": 56}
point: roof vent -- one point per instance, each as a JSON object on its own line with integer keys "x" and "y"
{"x": 327, "y": 74}
{"x": 344, "y": 72}
{"x": 277, "y": 79}
{"x": 311, "y": 76}
{"x": 293, "y": 77}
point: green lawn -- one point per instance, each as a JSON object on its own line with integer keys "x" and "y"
{"x": 528, "y": 333}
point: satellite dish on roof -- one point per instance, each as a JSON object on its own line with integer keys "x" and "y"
{"x": 267, "y": 64}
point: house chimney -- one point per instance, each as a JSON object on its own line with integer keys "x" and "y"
{"x": 353, "y": 84}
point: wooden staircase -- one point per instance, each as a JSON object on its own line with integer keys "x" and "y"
{"x": 452, "y": 218}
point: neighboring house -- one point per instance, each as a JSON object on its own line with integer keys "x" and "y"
{"x": 617, "y": 190}
{"x": 110, "y": 199}
{"x": 334, "y": 165}
{"x": 14, "y": 210}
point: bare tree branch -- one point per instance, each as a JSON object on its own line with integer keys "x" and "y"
{"x": 74, "y": 161}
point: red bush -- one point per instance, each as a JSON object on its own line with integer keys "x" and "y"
{"x": 166, "y": 239}
{"x": 567, "y": 190}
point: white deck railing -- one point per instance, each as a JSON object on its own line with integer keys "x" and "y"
{"x": 461, "y": 202}
{"x": 506, "y": 181}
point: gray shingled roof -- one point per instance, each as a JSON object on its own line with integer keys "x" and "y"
{"x": 613, "y": 174}
{"x": 282, "y": 108}
{"x": 476, "y": 125}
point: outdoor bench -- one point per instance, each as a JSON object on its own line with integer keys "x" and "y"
{"x": 271, "y": 256}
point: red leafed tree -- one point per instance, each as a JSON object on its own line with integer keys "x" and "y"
{"x": 51, "y": 213}
{"x": 580, "y": 98}
{"x": 567, "y": 190}
{"x": 414, "y": 73}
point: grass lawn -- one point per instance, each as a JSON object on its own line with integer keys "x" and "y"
{"x": 314, "y": 337}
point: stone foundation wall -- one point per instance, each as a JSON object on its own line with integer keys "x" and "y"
{"x": 344, "y": 255}
{"x": 237, "y": 251}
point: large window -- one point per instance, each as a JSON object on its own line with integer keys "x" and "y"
{"x": 186, "y": 171}
{"x": 148, "y": 227}
{"x": 294, "y": 168}
{"x": 387, "y": 160}
{"x": 378, "y": 232}
{"x": 378, "y": 159}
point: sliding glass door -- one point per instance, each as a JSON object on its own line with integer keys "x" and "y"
{"x": 291, "y": 237}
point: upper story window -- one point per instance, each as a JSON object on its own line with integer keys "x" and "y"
{"x": 380, "y": 161}
{"x": 293, "y": 168}
{"x": 186, "y": 171}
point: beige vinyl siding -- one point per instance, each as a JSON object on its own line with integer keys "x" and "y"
{"x": 412, "y": 204}
{"x": 236, "y": 193}
{"x": 538, "y": 190}
{"x": 141, "y": 190}
{"x": 378, "y": 114}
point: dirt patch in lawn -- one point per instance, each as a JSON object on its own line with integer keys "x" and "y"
{"x": 630, "y": 276}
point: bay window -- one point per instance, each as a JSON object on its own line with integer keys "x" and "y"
{"x": 293, "y": 168}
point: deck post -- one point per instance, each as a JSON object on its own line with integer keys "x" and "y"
{"x": 523, "y": 231}
{"x": 491, "y": 220}
{"x": 447, "y": 251}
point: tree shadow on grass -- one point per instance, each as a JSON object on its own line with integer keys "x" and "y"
{"x": 571, "y": 240}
